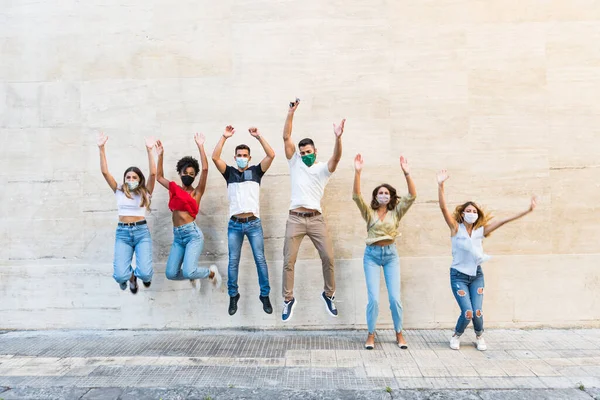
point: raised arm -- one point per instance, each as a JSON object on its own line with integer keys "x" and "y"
{"x": 102, "y": 139}
{"x": 200, "y": 138}
{"x": 442, "y": 176}
{"x": 492, "y": 226}
{"x": 150, "y": 144}
{"x": 290, "y": 148}
{"x": 270, "y": 154}
{"x": 337, "y": 150}
{"x": 412, "y": 189}
{"x": 358, "y": 166}
{"x": 160, "y": 176}
{"x": 216, "y": 155}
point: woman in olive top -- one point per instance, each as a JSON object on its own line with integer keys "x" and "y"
{"x": 383, "y": 216}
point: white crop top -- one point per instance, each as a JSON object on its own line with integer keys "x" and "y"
{"x": 129, "y": 207}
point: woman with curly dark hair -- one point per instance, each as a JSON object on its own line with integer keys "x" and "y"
{"x": 383, "y": 217}
{"x": 469, "y": 224}
{"x": 184, "y": 202}
{"x": 133, "y": 202}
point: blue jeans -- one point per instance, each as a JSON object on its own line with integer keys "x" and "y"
{"x": 235, "y": 235}
{"x": 387, "y": 257}
{"x": 182, "y": 264}
{"x": 468, "y": 292}
{"x": 130, "y": 239}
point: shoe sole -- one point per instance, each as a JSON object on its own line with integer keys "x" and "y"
{"x": 291, "y": 313}
{"x": 327, "y": 307}
{"x": 369, "y": 347}
{"x": 403, "y": 346}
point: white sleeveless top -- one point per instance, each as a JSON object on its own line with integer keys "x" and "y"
{"x": 467, "y": 251}
{"x": 129, "y": 207}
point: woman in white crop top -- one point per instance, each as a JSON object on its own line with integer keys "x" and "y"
{"x": 133, "y": 201}
{"x": 468, "y": 226}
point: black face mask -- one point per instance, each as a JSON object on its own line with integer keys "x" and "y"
{"x": 187, "y": 180}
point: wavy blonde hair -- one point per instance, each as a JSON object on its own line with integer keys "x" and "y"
{"x": 482, "y": 217}
{"x": 141, "y": 189}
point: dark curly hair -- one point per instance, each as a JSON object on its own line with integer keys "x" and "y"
{"x": 394, "y": 199}
{"x": 186, "y": 162}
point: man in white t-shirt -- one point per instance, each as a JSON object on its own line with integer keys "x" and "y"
{"x": 308, "y": 181}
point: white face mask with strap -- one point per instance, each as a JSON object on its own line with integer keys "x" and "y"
{"x": 383, "y": 199}
{"x": 470, "y": 218}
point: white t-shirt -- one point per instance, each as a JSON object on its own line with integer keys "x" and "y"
{"x": 308, "y": 184}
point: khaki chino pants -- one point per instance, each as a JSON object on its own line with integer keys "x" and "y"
{"x": 314, "y": 227}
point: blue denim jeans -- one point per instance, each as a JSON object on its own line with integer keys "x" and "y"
{"x": 468, "y": 292}
{"x": 235, "y": 235}
{"x": 387, "y": 257}
{"x": 182, "y": 263}
{"x": 130, "y": 239}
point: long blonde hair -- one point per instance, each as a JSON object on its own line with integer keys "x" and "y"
{"x": 142, "y": 190}
{"x": 482, "y": 217}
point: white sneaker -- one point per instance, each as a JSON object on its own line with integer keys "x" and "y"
{"x": 481, "y": 346}
{"x": 216, "y": 279}
{"x": 196, "y": 284}
{"x": 455, "y": 342}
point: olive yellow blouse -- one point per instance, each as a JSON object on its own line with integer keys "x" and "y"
{"x": 386, "y": 229}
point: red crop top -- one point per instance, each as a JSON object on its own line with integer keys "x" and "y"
{"x": 180, "y": 200}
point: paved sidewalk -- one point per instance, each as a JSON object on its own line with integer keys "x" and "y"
{"x": 555, "y": 364}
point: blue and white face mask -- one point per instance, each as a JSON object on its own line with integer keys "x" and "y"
{"x": 132, "y": 185}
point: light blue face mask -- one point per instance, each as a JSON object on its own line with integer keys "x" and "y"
{"x": 133, "y": 184}
{"x": 241, "y": 162}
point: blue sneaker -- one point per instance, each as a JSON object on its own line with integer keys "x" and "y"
{"x": 123, "y": 285}
{"x": 329, "y": 304}
{"x": 288, "y": 310}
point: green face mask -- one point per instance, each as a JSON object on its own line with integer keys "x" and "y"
{"x": 309, "y": 159}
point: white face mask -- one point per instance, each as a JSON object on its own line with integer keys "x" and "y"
{"x": 470, "y": 218}
{"x": 133, "y": 184}
{"x": 383, "y": 199}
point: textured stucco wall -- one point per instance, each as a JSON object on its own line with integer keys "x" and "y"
{"x": 502, "y": 93}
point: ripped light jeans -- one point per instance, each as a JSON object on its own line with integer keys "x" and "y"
{"x": 468, "y": 292}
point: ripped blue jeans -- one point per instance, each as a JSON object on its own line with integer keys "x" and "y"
{"x": 468, "y": 292}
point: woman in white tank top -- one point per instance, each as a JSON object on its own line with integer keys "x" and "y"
{"x": 468, "y": 226}
{"x": 133, "y": 201}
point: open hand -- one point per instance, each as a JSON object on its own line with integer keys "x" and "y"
{"x": 442, "y": 176}
{"x": 404, "y": 165}
{"x": 533, "y": 204}
{"x": 229, "y": 131}
{"x": 150, "y": 143}
{"x": 102, "y": 139}
{"x": 358, "y": 163}
{"x": 254, "y": 132}
{"x": 199, "y": 138}
{"x": 339, "y": 129}
{"x": 159, "y": 148}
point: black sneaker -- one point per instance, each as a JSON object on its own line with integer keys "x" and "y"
{"x": 233, "y": 304}
{"x": 147, "y": 284}
{"x": 133, "y": 285}
{"x": 329, "y": 304}
{"x": 266, "y": 304}
{"x": 288, "y": 310}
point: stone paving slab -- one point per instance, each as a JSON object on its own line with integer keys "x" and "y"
{"x": 278, "y": 394}
{"x": 76, "y": 363}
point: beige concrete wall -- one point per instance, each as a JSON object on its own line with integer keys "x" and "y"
{"x": 504, "y": 94}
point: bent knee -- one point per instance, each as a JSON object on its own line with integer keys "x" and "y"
{"x": 469, "y": 314}
{"x": 478, "y": 313}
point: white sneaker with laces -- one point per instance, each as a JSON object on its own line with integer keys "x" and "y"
{"x": 196, "y": 284}
{"x": 455, "y": 342}
{"x": 216, "y": 279}
{"x": 481, "y": 346}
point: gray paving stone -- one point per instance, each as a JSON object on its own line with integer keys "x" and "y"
{"x": 103, "y": 394}
{"x": 535, "y": 394}
{"x": 435, "y": 395}
{"x": 278, "y": 394}
{"x": 155, "y": 394}
{"x": 49, "y": 393}
{"x": 593, "y": 392}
